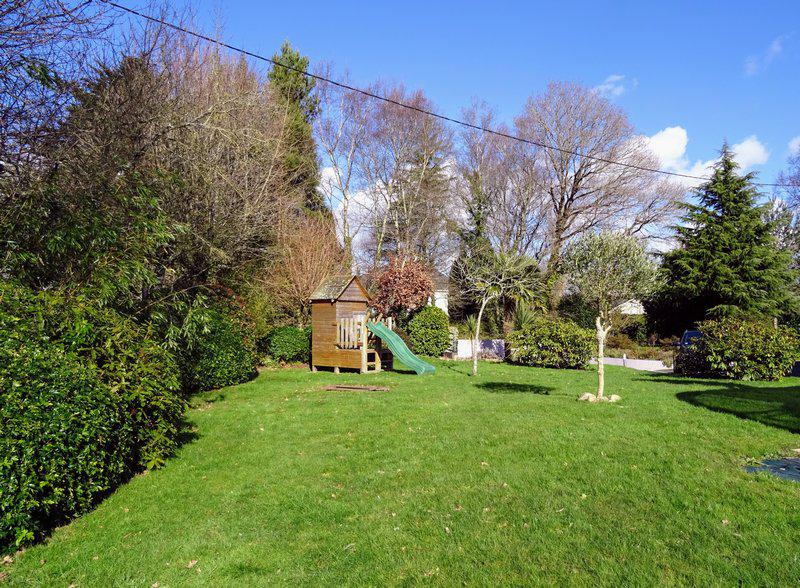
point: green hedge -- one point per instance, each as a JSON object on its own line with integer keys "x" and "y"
{"x": 290, "y": 344}
{"x": 740, "y": 349}
{"x": 221, "y": 355}
{"x": 428, "y": 332}
{"x": 551, "y": 342}
{"x": 86, "y": 398}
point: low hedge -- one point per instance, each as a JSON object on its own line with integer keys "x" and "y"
{"x": 428, "y": 331}
{"x": 740, "y": 349}
{"x": 290, "y": 344}
{"x": 551, "y": 342}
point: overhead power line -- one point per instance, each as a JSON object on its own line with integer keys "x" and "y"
{"x": 388, "y": 100}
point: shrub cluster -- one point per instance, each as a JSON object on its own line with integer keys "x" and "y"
{"x": 290, "y": 344}
{"x": 221, "y": 355}
{"x": 551, "y": 342}
{"x": 86, "y": 398}
{"x": 428, "y": 332}
{"x": 740, "y": 349}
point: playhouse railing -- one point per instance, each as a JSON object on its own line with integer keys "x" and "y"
{"x": 350, "y": 332}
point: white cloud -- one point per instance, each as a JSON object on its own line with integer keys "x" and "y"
{"x": 794, "y": 146}
{"x": 750, "y": 152}
{"x": 615, "y": 85}
{"x": 757, "y": 63}
{"x": 670, "y": 144}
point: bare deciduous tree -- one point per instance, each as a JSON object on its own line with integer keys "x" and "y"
{"x": 307, "y": 252}
{"x": 341, "y": 131}
{"x": 45, "y": 45}
{"x": 584, "y": 190}
{"x": 403, "y": 163}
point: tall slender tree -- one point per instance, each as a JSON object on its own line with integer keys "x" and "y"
{"x": 301, "y": 104}
{"x": 727, "y": 261}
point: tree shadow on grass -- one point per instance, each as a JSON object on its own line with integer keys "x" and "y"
{"x": 769, "y": 405}
{"x": 511, "y": 388}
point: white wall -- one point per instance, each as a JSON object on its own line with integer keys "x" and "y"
{"x": 440, "y": 299}
{"x": 495, "y": 348}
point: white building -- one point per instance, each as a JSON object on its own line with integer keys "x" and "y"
{"x": 441, "y": 291}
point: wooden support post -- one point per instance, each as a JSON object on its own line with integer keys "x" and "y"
{"x": 336, "y": 370}
{"x": 363, "y": 347}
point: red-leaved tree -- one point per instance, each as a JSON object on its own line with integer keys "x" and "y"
{"x": 403, "y": 286}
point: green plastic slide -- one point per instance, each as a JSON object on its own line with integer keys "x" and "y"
{"x": 399, "y": 349}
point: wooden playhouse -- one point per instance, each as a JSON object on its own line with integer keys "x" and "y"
{"x": 339, "y": 334}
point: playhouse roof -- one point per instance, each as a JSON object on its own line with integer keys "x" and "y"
{"x": 334, "y": 286}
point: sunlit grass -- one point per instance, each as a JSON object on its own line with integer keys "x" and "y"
{"x": 499, "y": 479}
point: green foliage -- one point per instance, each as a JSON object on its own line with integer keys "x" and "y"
{"x": 608, "y": 269}
{"x": 302, "y": 105}
{"x": 727, "y": 261}
{"x": 575, "y": 308}
{"x": 220, "y": 354}
{"x": 86, "y": 398}
{"x": 740, "y": 349}
{"x": 551, "y": 342}
{"x": 63, "y": 442}
{"x": 633, "y": 326}
{"x": 290, "y": 344}
{"x": 428, "y": 331}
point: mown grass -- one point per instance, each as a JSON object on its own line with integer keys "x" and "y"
{"x": 448, "y": 479}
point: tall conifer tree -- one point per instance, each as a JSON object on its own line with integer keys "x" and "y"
{"x": 727, "y": 261}
{"x": 302, "y": 106}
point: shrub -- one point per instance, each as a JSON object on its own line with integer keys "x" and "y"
{"x": 63, "y": 443}
{"x": 428, "y": 331}
{"x": 144, "y": 376}
{"x": 221, "y": 355}
{"x": 549, "y": 342}
{"x": 290, "y": 344}
{"x": 86, "y": 398}
{"x": 635, "y": 327}
{"x": 741, "y": 349}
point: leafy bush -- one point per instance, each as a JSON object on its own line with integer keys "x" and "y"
{"x": 635, "y": 327}
{"x": 63, "y": 443}
{"x": 143, "y": 375}
{"x": 428, "y": 332}
{"x": 290, "y": 344}
{"x": 740, "y": 349}
{"x": 549, "y": 342}
{"x": 86, "y": 398}
{"x": 221, "y": 355}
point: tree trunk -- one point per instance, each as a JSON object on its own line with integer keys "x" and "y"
{"x": 602, "y": 330}
{"x": 476, "y": 339}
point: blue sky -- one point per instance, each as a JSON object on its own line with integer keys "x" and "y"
{"x": 705, "y": 70}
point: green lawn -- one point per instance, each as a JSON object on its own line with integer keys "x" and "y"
{"x": 448, "y": 479}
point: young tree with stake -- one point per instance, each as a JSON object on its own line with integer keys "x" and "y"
{"x": 608, "y": 269}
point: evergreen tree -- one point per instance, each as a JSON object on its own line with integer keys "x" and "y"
{"x": 727, "y": 261}
{"x": 302, "y": 106}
